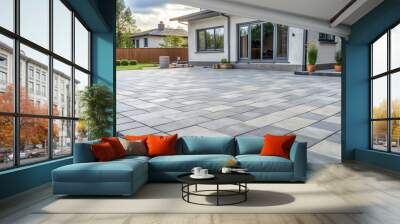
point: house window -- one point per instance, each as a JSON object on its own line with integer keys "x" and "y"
{"x": 137, "y": 44}
{"x": 210, "y": 39}
{"x": 3, "y": 78}
{"x": 146, "y": 42}
{"x": 58, "y": 34}
{"x": 385, "y": 92}
{"x": 328, "y": 38}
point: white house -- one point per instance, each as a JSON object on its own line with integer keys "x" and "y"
{"x": 154, "y": 37}
{"x": 213, "y": 36}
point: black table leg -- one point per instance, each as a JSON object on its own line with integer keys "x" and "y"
{"x": 217, "y": 194}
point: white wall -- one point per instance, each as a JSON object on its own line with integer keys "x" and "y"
{"x": 326, "y": 51}
{"x": 153, "y": 42}
{"x": 195, "y": 56}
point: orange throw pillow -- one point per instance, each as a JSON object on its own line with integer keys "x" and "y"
{"x": 103, "y": 152}
{"x": 161, "y": 145}
{"x": 277, "y": 145}
{"x": 116, "y": 145}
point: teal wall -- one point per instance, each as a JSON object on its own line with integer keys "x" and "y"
{"x": 99, "y": 15}
{"x": 355, "y": 110}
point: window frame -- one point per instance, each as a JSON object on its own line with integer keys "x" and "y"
{"x": 145, "y": 42}
{"x": 214, "y": 49}
{"x": 388, "y": 74}
{"x": 16, "y": 115}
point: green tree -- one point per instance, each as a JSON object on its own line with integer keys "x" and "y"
{"x": 173, "y": 41}
{"x": 126, "y": 25}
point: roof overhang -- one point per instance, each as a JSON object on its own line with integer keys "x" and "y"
{"x": 327, "y": 16}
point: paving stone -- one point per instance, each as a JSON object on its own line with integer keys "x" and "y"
{"x": 313, "y": 132}
{"x": 140, "y": 131}
{"x": 246, "y": 116}
{"x": 181, "y": 124}
{"x": 268, "y": 130}
{"x": 197, "y": 131}
{"x": 219, "y": 123}
{"x": 293, "y": 123}
{"x": 131, "y": 125}
{"x": 236, "y": 129}
{"x": 311, "y": 116}
{"x": 327, "y": 126}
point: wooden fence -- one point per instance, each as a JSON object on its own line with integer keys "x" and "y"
{"x": 151, "y": 55}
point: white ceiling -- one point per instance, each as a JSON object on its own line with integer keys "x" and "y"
{"x": 308, "y": 14}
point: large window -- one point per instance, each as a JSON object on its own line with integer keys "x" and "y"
{"x": 210, "y": 39}
{"x": 385, "y": 92}
{"x": 40, "y": 80}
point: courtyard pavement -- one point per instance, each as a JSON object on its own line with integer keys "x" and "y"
{"x": 207, "y": 102}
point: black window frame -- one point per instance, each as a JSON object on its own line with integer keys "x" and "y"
{"x": 16, "y": 115}
{"x": 146, "y": 42}
{"x": 388, "y": 75}
{"x": 209, "y": 49}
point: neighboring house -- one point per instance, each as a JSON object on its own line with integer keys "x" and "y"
{"x": 253, "y": 43}
{"x": 154, "y": 37}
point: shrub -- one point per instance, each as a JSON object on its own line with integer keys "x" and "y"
{"x": 124, "y": 62}
{"x": 133, "y": 62}
{"x": 338, "y": 57}
{"x": 224, "y": 61}
{"x": 312, "y": 54}
{"x": 118, "y": 62}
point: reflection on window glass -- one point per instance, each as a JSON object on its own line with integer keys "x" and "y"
{"x": 379, "y": 135}
{"x": 6, "y": 142}
{"x": 210, "y": 43}
{"x": 6, "y": 75}
{"x": 395, "y": 135}
{"x": 244, "y": 41}
{"x": 81, "y": 45}
{"x": 35, "y": 21}
{"x": 219, "y": 38}
{"x": 62, "y": 29}
{"x": 81, "y": 131}
{"x": 202, "y": 40}
{"x": 62, "y": 89}
{"x": 7, "y": 14}
{"x": 81, "y": 82}
{"x": 379, "y": 56}
{"x": 395, "y": 95}
{"x": 379, "y": 98}
{"x": 282, "y": 41}
{"x": 395, "y": 47}
{"x": 34, "y": 145}
{"x": 256, "y": 41}
{"x": 38, "y": 101}
{"x": 62, "y": 138}
{"x": 268, "y": 41}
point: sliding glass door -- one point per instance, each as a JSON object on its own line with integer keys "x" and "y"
{"x": 243, "y": 42}
{"x": 255, "y": 41}
{"x": 268, "y": 41}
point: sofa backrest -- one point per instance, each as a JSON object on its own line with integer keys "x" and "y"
{"x": 249, "y": 145}
{"x": 195, "y": 145}
{"x": 83, "y": 152}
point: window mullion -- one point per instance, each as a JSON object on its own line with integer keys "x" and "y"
{"x": 389, "y": 101}
{"x": 16, "y": 84}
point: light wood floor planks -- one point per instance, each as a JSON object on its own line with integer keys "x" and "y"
{"x": 378, "y": 189}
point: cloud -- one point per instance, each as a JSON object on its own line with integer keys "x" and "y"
{"x": 144, "y": 6}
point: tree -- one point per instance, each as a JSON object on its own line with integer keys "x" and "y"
{"x": 173, "y": 41}
{"x": 125, "y": 25}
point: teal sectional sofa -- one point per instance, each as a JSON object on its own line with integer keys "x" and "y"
{"x": 125, "y": 176}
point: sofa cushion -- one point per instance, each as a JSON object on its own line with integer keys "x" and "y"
{"x": 104, "y": 152}
{"x": 185, "y": 163}
{"x": 257, "y": 163}
{"x": 159, "y": 145}
{"x": 136, "y": 147}
{"x": 275, "y": 145}
{"x": 249, "y": 145}
{"x": 116, "y": 145}
{"x": 198, "y": 145}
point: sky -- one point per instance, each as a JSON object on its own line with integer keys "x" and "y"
{"x": 149, "y": 13}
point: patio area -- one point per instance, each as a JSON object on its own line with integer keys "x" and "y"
{"x": 203, "y": 101}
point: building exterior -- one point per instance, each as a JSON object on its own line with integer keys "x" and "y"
{"x": 213, "y": 36}
{"x": 154, "y": 37}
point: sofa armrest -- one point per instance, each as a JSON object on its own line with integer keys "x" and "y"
{"x": 83, "y": 152}
{"x": 298, "y": 155}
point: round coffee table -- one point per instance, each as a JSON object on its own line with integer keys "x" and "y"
{"x": 238, "y": 179}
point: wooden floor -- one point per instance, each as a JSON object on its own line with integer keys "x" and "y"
{"x": 378, "y": 189}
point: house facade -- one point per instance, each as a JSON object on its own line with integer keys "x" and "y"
{"x": 213, "y": 36}
{"x": 154, "y": 37}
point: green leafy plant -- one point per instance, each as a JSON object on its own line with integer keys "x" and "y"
{"x": 133, "y": 62}
{"x": 97, "y": 108}
{"x": 338, "y": 57}
{"x": 118, "y": 62}
{"x": 224, "y": 61}
{"x": 124, "y": 62}
{"x": 312, "y": 53}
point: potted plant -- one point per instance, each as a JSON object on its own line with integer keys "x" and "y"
{"x": 225, "y": 64}
{"x": 96, "y": 102}
{"x": 312, "y": 57}
{"x": 338, "y": 59}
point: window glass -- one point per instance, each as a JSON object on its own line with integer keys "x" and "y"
{"x": 6, "y": 142}
{"x": 81, "y": 82}
{"x": 244, "y": 41}
{"x": 379, "y": 56}
{"x": 379, "y": 135}
{"x": 6, "y": 74}
{"x": 395, "y": 95}
{"x": 395, "y": 47}
{"x": 219, "y": 38}
{"x": 395, "y": 136}
{"x": 62, "y": 138}
{"x": 268, "y": 41}
{"x": 202, "y": 40}
{"x": 33, "y": 139}
{"x": 81, "y": 45}
{"x": 62, "y": 29}
{"x": 146, "y": 42}
{"x": 35, "y": 21}
{"x": 379, "y": 98}
{"x": 256, "y": 41}
{"x": 62, "y": 89}
{"x": 81, "y": 131}
{"x": 282, "y": 41}
{"x": 7, "y": 14}
{"x": 210, "y": 39}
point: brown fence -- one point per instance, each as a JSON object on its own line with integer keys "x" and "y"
{"x": 151, "y": 55}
